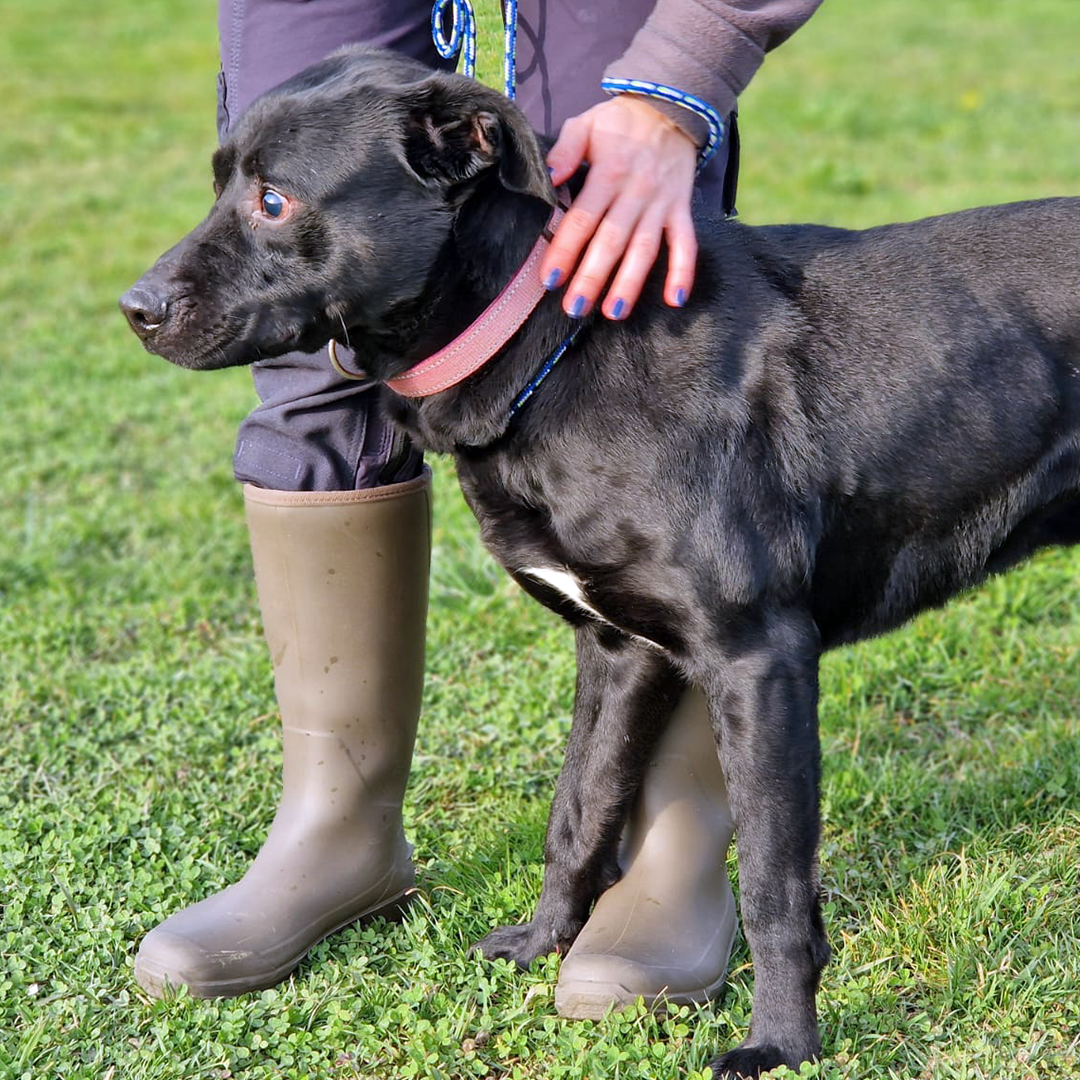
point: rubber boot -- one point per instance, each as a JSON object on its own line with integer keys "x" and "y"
{"x": 664, "y": 931}
{"x": 342, "y": 584}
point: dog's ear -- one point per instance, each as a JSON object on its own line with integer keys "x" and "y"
{"x": 457, "y": 129}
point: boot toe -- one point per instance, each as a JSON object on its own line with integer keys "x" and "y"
{"x": 613, "y": 963}
{"x": 592, "y": 984}
{"x": 166, "y": 961}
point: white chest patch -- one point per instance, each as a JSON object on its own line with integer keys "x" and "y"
{"x": 570, "y": 587}
{"x": 565, "y": 582}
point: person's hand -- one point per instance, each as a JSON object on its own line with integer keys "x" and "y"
{"x": 637, "y": 191}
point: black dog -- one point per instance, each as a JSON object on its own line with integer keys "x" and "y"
{"x": 839, "y": 430}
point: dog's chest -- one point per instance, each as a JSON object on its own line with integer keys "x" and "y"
{"x": 540, "y": 561}
{"x": 574, "y": 548}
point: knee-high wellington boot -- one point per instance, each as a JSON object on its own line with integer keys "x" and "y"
{"x": 342, "y": 582}
{"x": 664, "y": 930}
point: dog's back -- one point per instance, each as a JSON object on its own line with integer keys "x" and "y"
{"x": 920, "y": 384}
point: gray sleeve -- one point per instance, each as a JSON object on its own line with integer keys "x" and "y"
{"x": 708, "y": 48}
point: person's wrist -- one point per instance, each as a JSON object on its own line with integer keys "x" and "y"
{"x": 690, "y": 114}
{"x": 680, "y": 118}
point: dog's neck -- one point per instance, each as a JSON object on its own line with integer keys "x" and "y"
{"x": 493, "y": 234}
{"x": 470, "y": 350}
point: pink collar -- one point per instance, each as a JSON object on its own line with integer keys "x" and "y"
{"x": 475, "y": 346}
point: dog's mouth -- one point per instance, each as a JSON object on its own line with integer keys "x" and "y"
{"x": 184, "y": 333}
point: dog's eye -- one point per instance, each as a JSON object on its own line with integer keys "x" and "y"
{"x": 273, "y": 204}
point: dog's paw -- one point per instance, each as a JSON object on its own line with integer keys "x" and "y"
{"x": 749, "y": 1062}
{"x": 522, "y": 944}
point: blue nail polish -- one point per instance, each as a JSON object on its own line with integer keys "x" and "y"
{"x": 577, "y": 308}
{"x": 618, "y": 309}
{"x": 553, "y": 279}
{"x": 680, "y": 297}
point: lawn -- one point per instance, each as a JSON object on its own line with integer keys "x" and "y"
{"x": 140, "y": 760}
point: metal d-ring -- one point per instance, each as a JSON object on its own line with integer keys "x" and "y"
{"x": 335, "y": 363}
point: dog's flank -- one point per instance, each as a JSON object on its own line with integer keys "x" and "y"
{"x": 839, "y": 430}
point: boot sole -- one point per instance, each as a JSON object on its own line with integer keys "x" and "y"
{"x": 156, "y": 982}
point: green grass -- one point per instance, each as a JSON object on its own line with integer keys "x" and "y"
{"x": 140, "y": 752}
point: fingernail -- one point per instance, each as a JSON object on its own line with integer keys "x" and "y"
{"x": 618, "y": 309}
{"x": 577, "y": 308}
{"x": 680, "y": 297}
{"x": 553, "y": 279}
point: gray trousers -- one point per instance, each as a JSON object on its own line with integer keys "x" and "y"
{"x": 314, "y": 431}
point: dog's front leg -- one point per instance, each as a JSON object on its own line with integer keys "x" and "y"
{"x": 626, "y": 691}
{"x": 762, "y": 694}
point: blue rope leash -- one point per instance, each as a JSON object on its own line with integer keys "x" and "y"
{"x": 462, "y": 38}
{"x": 688, "y": 101}
{"x": 510, "y": 49}
{"x": 544, "y": 372}
{"x": 462, "y": 32}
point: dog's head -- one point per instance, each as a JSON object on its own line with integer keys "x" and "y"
{"x": 335, "y": 194}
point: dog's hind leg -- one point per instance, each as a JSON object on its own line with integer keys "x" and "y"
{"x": 626, "y": 690}
{"x": 761, "y": 682}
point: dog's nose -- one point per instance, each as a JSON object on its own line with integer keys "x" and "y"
{"x": 145, "y": 309}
